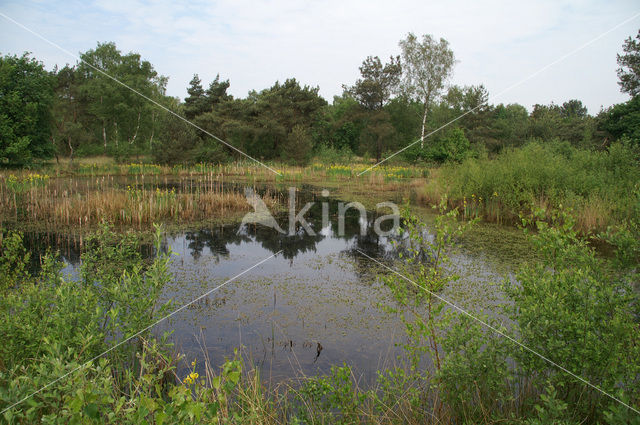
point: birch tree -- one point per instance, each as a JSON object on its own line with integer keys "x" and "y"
{"x": 427, "y": 65}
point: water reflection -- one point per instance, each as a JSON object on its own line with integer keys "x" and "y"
{"x": 315, "y": 305}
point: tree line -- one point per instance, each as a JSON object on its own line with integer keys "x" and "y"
{"x": 80, "y": 110}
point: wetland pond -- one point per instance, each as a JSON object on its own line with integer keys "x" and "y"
{"x": 316, "y": 304}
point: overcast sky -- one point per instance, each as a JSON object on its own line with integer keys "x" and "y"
{"x": 322, "y": 43}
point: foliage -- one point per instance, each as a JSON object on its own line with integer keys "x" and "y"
{"x": 328, "y": 155}
{"x": 52, "y": 325}
{"x": 427, "y": 64}
{"x": 69, "y": 119}
{"x": 392, "y": 105}
{"x": 26, "y": 97}
{"x": 596, "y": 184}
{"x": 568, "y": 122}
{"x": 196, "y": 103}
{"x": 551, "y": 410}
{"x": 454, "y": 146}
{"x": 176, "y": 141}
{"x": 475, "y": 381}
{"x": 115, "y": 297}
{"x": 340, "y": 124}
{"x": 576, "y": 311}
{"x": 623, "y": 121}
{"x": 334, "y": 398}
{"x": 510, "y": 125}
{"x": 378, "y": 135}
{"x": 122, "y": 120}
{"x": 425, "y": 277}
{"x": 297, "y": 147}
{"x": 13, "y": 262}
{"x": 378, "y": 82}
{"x": 629, "y": 62}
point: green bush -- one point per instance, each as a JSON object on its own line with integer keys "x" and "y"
{"x": 334, "y": 398}
{"x": 552, "y": 174}
{"x": 329, "y": 155}
{"x": 580, "y": 312}
{"x": 89, "y": 149}
{"x": 48, "y": 320}
{"x": 474, "y": 378}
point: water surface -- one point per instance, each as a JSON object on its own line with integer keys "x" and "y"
{"x": 315, "y": 304}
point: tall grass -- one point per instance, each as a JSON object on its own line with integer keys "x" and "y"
{"x": 137, "y": 201}
{"x": 601, "y": 188}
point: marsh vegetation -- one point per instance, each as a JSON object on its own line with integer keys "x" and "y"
{"x": 128, "y": 294}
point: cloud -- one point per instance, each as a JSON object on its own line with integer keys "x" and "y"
{"x": 323, "y": 42}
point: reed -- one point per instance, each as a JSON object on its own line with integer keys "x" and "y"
{"x": 137, "y": 201}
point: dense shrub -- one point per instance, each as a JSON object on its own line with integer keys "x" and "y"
{"x": 598, "y": 186}
{"x": 579, "y": 312}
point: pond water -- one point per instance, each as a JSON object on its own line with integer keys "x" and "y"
{"x": 315, "y": 304}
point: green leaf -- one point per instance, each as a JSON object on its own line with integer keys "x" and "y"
{"x": 91, "y": 410}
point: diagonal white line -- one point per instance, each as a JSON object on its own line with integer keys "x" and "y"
{"x": 139, "y": 332}
{"x": 511, "y": 87}
{"x": 135, "y": 91}
{"x": 499, "y": 332}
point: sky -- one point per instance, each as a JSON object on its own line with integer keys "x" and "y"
{"x": 518, "y": 50}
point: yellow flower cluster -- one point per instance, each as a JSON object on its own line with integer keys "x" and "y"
{"x": 37, "y": 177}
{"x": 397, "y": 172}
{"x": 342, "y": 168}
{"x": 144, "y": 168}
{"x": 29, "y": 178}
{"x": 161, "y": 192}
{"x": 21, "y": 184}
{"x": 193, "y": 376}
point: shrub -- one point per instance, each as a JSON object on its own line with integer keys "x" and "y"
{"x": 576, "y": 310}
{"x": 596, "y": 185}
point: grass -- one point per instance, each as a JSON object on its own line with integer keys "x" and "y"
{"x": 137, "y": 201}
{"x": 599, "y": 188}
{"x": 138, "y": 194}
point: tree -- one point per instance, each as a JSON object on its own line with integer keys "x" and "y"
{"x": 97, "y": 90}
{"x": 378, "y": 82}
{"x": 510, "y": 124}
{"x": 344, "y": 119}
{"x": 68, "y": 113}
{"x": 573, "y": 109}
{"x": 217, "y": 92}
{"x": 378, "y": 133}
{"x": 623, "y": 119}
{"x": 629, "y": 71}
{"x": 177, "y": 139}
{"x": 275, "y": 111}
{"x": 427, "y": 66}
{"x": 120, "y": 114}
{"x": 404, "y": 114}
{"x": 569, "y": 122}
{"x": 454, "y": 146}
{"x": 545, "y": 121}
{"x": 477, "y": 115}
{"x": 196, "y": 103}
{"x": 26, "y": 95}
{"x": 297, "y": 147}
